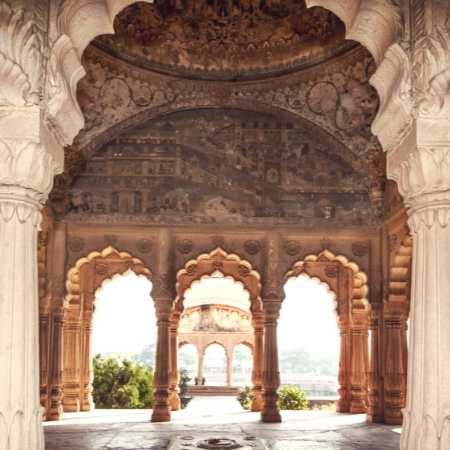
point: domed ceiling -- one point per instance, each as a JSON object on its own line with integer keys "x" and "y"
{"x": 225, "y": 39}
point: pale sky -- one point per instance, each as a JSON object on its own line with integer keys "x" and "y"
{"x": 308, "y": 318}
{"x": 124, "y": 318}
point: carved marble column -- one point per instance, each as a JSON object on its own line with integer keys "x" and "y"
{"x": 26, "y": 174}
{"x": 257, "y": 373}
{"x": 374, "y": 411}
{"x": 161, "y": 407}
{"x": 271, "y": 373}
{"x": 175, "y": 403}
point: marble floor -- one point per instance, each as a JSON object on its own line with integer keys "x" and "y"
{"x": 218, "y": 417}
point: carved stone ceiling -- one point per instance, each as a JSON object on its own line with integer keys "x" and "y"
{"x": 225, "y": 39}
{"x": 176, "y": 134}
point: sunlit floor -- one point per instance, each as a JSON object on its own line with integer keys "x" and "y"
{"x": 216, "y": 417}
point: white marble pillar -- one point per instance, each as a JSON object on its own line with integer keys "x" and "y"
{"x": 26, "y": 176}
{"x": 427, "y": 413}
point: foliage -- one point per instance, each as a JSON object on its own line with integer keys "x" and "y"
{"x": 183, "y": 385}
{"x": 122, "y": 384}
{"x": 293, "y": 398}
{"x": 300, "y": 361}
{"x": 245, "y": 397}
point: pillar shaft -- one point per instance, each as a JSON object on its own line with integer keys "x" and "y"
{"x": 229, "y": 379}
{"x": 271, "y": 373}
{"x": 427, "y": 413}
{"x": 20, "y": 411}
{"x": 161, "y": 408}
{"x": 343, "y": 405}
{"x": 359, "y": 370}
{"x": 257, "y": 373}
{"x": 374, "y": 412}
{"x": 56, "y": 375}
{"x": 175, "y": 404}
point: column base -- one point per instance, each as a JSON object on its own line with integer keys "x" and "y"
{"x": 271, "y": 417}
{"x": 257, "y": 401}
{"x": 175, "y": 402}
{"x": 160, "y": 415}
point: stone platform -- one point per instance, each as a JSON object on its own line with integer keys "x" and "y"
{"x": 217, "y": 417}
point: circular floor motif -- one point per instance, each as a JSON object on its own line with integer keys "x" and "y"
{"x": 219, "y": 444}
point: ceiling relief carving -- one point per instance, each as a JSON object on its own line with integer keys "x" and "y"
{"x": 224, "y": 39}
{"x": 222, "y": 166}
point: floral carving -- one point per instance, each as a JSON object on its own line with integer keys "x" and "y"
{"x": 292, "y": 248}
{"x": 76, "y": 244}
{"x": 110, "y": 239}
{"x": 331, "y": 270}
{"x": 252, "y": 247}
{"x": 144, "y": 245}
{"x": 21, "y": 49}
{"x": 360, "y": 248}
{"x": 185, "y": 246}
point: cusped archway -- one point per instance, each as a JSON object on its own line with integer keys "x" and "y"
{"x": 350, "y": 286}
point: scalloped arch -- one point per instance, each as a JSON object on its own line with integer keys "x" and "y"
{"x": 360, "y": 279}
{"x": 73, "y": 281}
{"x": 400, "y": 273}
{"x": 230, "y": 265}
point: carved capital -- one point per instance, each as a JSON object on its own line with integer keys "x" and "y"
{"x": 21, "y": 56}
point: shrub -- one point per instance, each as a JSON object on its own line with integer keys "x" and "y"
{"x": 183, "y": 385}
{"x": 125, "y": 384}
{"x": 245, "y": 397}
{"x": 292, "y": 398}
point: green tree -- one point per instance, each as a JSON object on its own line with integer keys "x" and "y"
{"x": 122, "y": 384}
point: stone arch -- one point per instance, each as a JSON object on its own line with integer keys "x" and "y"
{"x": 228, "y": 264}
{"x": 349, "y": 284}
{"x": 395, "y": 324}
{"x": 83, "y": 280}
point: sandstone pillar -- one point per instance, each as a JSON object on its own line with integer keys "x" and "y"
{"x": 175, "y": 403}
{"x": 201, "y": 357}
{"x": 344, "y": 390}
{"x": 359, "y": 369}
{"x": 72, "y": 371}
{"x": 161, "y": 408}
{"x": 374, "y": 411}
{"x": 56, "y": 375}
{"x": 229, "y": 380}
{"x": 394, "y": 369}
{"x": 271, "y": 373}
{"x": 44, "y": 342}
{"x": 257, "y": 373}
{"x": 27, "y": 168}
{"x": 86, "y": 371}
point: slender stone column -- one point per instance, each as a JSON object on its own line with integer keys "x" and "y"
{"x": 374, "y": 411}
{"x": 359, "y": 371}
{"x": 271, "y": 373}
{"x": 257, "y": 373}
{"x": 201, "y": 357}
{"x": 394, "y": 369}
{"x": 56, "y": 375}
{"x": 344, "y": 390}
{"x": 71, "y": 374}
{"x": 229, "y": 380}
{"x": 86, "y": 400}
{"x": 175, "y": 403}
{"x": 161, "y": 408}
{"x": 44, "y": 340}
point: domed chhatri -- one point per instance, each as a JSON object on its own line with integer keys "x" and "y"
{"x": 226, "y": 39}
